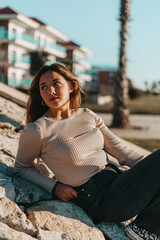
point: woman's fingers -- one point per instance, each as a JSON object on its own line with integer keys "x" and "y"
{"x": 65, "y": 192}
{"x": 74, "y": 193}
{"x": 70, "y": 193}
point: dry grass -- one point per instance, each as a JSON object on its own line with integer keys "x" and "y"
{"x": 149, "y": 144}
{"x": 146, "y": 104}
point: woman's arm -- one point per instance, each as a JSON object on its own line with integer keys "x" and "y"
{"x": 28, "y": 150}
{"x": 114, "y": 146}
{"x": 118, "y": 149}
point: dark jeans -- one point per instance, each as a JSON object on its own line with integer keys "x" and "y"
{"x": 118, "y": 196}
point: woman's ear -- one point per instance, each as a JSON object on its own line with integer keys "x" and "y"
{"x": 70, "y": 89}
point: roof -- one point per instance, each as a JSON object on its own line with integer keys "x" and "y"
{"x": 69, "y": 43}
{"x": 37, "y": 20}
{"x": 7, "y": 10}
{"x": 73, "y": 45}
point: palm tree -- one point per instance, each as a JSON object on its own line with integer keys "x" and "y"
{"x": 120, "y": 110}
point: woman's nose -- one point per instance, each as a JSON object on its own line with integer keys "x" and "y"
{"x": 51, "y": 90}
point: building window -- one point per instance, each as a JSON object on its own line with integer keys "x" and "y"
{"x": 14, "y": 34}
{"x": 12, "y": 80}
{"x": 3, "y": 32}
{"x": 38, "y": 41}
{"x": 45, "y": 43}
{"x": 14, "y": 56}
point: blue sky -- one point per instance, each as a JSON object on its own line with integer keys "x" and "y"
{"x": 94, "y": 24}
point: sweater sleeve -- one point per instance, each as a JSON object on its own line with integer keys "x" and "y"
{"x": 29, "y": 149}
{"x": 115, "y": 147}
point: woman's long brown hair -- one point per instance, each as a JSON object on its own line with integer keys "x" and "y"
{"x": 35, "y": 109}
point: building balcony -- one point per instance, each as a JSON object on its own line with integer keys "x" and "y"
{"x": 85, "y": 64}
{"x": 19, "y": 62}
{"x": 22, "y": 39}
{"x": 27, "y": 41}
{"x": 84, "y": 77}
{"x": 53, "y": 49}
{"x": 24, "y": 83}
{"x": 22, "y": 59}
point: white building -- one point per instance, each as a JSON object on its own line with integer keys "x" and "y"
{"x": 20, "y": 35}
{"x": 77, "y": 55}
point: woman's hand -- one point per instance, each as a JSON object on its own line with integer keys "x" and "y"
{"x": 65, "y": 192}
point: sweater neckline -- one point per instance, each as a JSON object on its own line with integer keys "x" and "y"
{"x": 60, "y": 120}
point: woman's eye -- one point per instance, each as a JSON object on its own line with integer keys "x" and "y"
{"x": 43, "y": 88}
{"x": 56, "y": 83}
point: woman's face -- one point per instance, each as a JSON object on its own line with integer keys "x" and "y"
{"x": 55, "y": 90}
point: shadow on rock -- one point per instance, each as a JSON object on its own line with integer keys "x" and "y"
{"x": 5, "y": 119}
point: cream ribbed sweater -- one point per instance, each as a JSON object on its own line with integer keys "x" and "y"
{"x": 73, "y": 148}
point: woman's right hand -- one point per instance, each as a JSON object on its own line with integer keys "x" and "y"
{"x": 65, "y": 192}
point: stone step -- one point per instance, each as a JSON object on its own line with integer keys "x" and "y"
{"x": 13, "y": 94}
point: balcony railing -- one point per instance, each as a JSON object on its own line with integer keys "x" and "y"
{"x": 26, "y": 59}
{"x": 3, "y": 34}
{"x": 23, "y": 59}
{"x": 12, "y": 36}
{"x": 13, "y": 82}
{"x": 27, "y": 38}
{"x": 54, "y": 46}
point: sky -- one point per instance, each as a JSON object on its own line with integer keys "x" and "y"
{"x": 94, "y": 24}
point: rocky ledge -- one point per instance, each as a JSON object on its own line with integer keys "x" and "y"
{"x": 29, "y": 212}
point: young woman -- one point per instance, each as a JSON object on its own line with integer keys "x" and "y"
{"x": 73, "y": 142}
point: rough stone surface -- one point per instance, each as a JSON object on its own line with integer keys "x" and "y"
{"x": 28, "y": 193}
{"x": 13, "y": 216}
{"x": 46, "y": 235}
{"x": 9, "y": 189}
{"x": 11, "y": 113}
{"x": 74, "y": 228}
{"x": 45, "y": 170}
{"x": 7, "y": 233}
{"x": 9, "y": 145}
{"x": 68, "y": 210}
{"x": 113, "y": 231}
{"x": 2, "y": 192}
{"x": 6, "y": 159}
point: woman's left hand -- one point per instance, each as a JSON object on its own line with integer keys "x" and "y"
{"x": 65, "y": 192}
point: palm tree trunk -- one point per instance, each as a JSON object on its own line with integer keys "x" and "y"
{"x": 120, "y": 110}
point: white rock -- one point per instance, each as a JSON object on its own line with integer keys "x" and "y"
{"x": 12, "y": 110}
{"x": 7, "y": 160}
{"x": 8, "y": 233}
{"x": 13, "y": 216}
{"x": 44, "y": 169}
{"x": 46, "y": 235}
{"x": 76, "y": 229}
{"x": 9, "y": 146}
{"x": 68, "y": 210}
{"x": 2, "y": 192}
{"x": 6, "y": 125}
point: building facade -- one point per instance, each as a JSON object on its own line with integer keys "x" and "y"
{"x": 76, "y": 56}
{"x": 19, "y": 36}
{"x": 101, "y": 88}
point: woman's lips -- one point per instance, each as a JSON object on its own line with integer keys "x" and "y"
{"x": 53, "y": 99}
